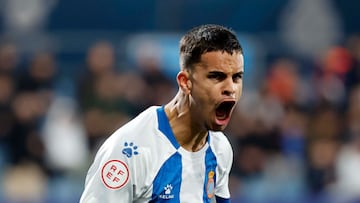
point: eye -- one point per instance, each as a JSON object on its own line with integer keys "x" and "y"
{"x": 237, "y": 77}
{"x": 216, "y": 75}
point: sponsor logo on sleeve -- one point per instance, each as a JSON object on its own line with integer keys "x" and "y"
{"x": 115, "y": 174}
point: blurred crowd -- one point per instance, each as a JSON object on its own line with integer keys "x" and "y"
{"x": 296, "y": 138}
{"x": 48, "y": 138}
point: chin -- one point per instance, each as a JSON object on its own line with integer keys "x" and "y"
{"x": 217, "y": 128}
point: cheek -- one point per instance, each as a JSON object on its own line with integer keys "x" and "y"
{"x": 203, "y": 94}
{"x": 239, "y": 92}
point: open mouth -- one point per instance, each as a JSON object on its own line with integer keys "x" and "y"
{"x": 223, "y": 110}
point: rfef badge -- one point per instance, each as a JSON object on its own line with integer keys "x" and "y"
{"x": 115, "y": 174}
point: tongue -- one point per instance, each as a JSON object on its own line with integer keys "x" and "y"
{"x": 221, "y": 114}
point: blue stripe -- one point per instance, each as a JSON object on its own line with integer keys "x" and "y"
{"x": 164, "y": 127}
{"x": 168, "y": 178}
{"x": 210, "y": 175}
{"x": 222, "y": 200}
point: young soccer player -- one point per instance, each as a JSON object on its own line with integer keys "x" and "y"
{"x": 177, "y": 152}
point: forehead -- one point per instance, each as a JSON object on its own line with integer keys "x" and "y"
{"x": 222, "y": 61}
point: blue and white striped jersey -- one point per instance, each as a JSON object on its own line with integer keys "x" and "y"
{"x": 143, "y": 162}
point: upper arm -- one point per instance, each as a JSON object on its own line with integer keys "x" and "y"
{"x": 109, "y": 178}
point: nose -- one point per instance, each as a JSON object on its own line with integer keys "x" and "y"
{"x": 229, "y": 88}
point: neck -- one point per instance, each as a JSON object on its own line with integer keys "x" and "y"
{"x": 188, "y": 133}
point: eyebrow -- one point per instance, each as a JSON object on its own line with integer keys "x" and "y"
{"x": 240, "y": 72}
{"x": 221, "y": 72}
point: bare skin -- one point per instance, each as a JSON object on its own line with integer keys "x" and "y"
{"x": 215, "y": 80}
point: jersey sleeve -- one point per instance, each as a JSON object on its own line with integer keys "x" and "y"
{"x": 110, "y": 177}
{"x": 222, "y": 185}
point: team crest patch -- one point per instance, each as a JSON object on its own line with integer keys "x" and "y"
{"x": 210, "y": 187}
{"x": 115, "y": 174}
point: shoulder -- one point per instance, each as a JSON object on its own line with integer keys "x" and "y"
{"x": 144, "y": 119}
{"x": 219, "y": 141}
{"x": 143, "y": 123}
{"x": 221, "y": 146}
{"x": 140, "y": 129}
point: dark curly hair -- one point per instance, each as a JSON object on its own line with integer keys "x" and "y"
{"x": 206, "y": 38}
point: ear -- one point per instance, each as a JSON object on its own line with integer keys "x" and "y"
{"x": 184, "y": 81}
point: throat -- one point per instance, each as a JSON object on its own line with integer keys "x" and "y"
{"x": 194, "y": 143}
{"x": 192, "y": 138}
{"x": 198, "y": 147}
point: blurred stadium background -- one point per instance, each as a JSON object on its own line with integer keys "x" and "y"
{"x": 73, "y": 71}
